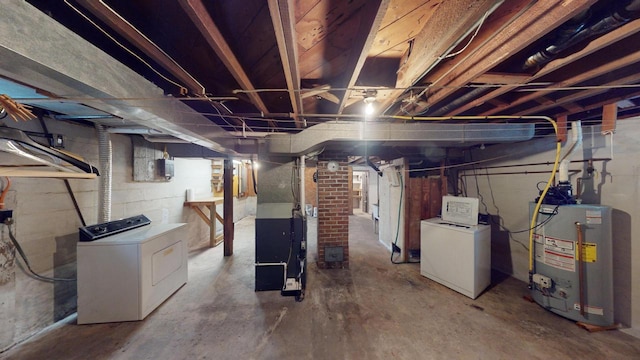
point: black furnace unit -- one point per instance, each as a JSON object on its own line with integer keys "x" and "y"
{"x": 281, "y": 249}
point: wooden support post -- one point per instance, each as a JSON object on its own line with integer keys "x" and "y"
{"x": 228, "y": 207}
{"x": 561, "y": 122}
{"x": 443, "y": 180}
{"x": 609, "y": 118}
{"x": 212, "y": 224}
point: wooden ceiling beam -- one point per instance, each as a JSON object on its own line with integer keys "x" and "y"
{"x": 401, "y": 23}
{"x": 496, "y": 102}
{"x": 449, "y": 24}
{"x": 594, "y": 72}
{"x": 543, "y": 100}
{"x": 599, "y": 104}
{"x": 535, "y": 22}
{"x": 371, "y": 17}
{"x": 595, "y": 45}
{"x": 495, "y": 23}
{"x": 125, "y": 29}
{"x": 283, "y": 18}
{"x": 501, "y": 78}
{"x": 200, "y": 17}
{"x": 631, "y": 79}
{"x": 628, "y": 112}
{"x": 572, "y": 107}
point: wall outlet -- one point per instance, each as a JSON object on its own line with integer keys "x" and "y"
{"x": 396, "y": 248}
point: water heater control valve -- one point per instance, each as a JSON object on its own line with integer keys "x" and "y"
{"x": 544, "y": 282}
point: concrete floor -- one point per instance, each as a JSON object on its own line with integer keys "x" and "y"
{"x": 374, "y": 310}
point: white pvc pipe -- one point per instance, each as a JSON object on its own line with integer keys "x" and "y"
{"x": 576, "y": 132}
{"x": 105, "y": 157}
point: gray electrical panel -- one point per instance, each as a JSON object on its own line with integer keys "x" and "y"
{"x": 573, "y": 284}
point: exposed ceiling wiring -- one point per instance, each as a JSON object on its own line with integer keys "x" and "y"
{"x": 183, "y": 89}
{"x": 486, "y": 14}
{"x": 523, "y": 86}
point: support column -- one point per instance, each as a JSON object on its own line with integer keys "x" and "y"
{"x": 609, "y": 118}
{"x": 334, "y": 200}
{"x": 228, "y": 207}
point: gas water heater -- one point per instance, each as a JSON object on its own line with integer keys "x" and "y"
{"x": 573, "y": 270}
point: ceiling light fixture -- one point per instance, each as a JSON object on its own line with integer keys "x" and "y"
{"x": 369, "y": 99}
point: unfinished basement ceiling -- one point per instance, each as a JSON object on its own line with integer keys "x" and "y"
{"x": 254, "y": 67}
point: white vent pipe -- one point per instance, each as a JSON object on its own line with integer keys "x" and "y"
{"x": 105, "y": 154}
{"x": 576, "y": 132}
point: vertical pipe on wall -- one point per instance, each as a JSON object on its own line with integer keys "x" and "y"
{"x": 228, "y": 226}
{"x": 105, "y": 154}
{"x": 302, "y": 188}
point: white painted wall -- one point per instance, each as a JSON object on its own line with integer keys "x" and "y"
{"x": 617, "y": 185}
{"x": 373, "y": 187}
{"x": 389, "y": 199}
{"x": 46, "y": 224}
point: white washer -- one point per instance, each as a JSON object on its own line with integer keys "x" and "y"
{"x": 456, "y": 256}
{"x": 124, "y": 277}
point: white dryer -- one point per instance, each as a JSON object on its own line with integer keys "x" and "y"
{"x": 125, "y": 276}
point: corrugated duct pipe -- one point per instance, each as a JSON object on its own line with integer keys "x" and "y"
{"x": 105, "y": 155}
{"x": 471, "y": 95}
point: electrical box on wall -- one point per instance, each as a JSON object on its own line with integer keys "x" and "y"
{"x": 165, "y": 168}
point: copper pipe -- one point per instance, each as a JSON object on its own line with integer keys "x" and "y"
{"x": 580, "y": 267}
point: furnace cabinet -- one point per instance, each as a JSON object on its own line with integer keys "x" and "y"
{"x": 280, "y": 245}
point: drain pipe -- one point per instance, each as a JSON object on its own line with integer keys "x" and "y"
{"x": 576, "y": 132}
{"x": 105, "y": 154}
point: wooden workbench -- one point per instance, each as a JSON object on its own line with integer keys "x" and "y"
{"x": 211, "y": 219}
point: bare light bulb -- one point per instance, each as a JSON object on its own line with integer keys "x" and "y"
{"x": 368, "y": 109}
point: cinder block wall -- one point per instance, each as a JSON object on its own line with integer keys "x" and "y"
{"x": 333, "y": 213}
